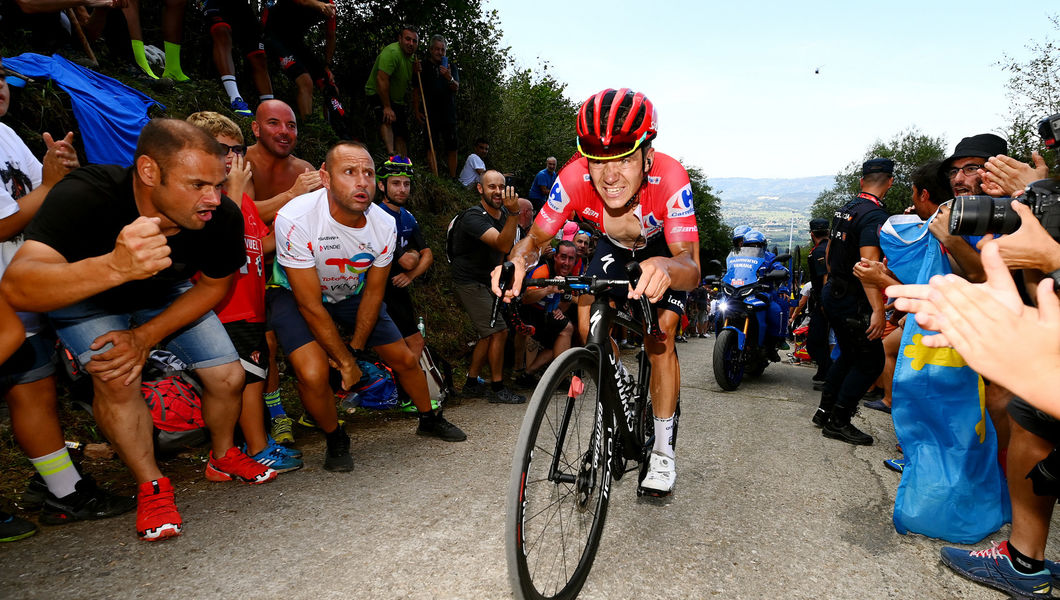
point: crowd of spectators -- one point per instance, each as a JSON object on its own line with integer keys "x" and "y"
{"x": 164, "y": 267}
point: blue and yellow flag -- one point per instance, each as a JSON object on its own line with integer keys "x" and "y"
{"x": 952, "y": 487}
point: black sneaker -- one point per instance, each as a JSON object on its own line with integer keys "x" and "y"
{"x": 87, "y": 503}
{"x": 435, "y": 425}
{"x": 14, "y": 528}
{"x": 506, "y": 396}
{"x": 526, "y": 380}
{"x": 35, "y": 494}
{"x": 846, "y": 433}
{"x": 337, "y": 458}
{"x": 476, "y": 389}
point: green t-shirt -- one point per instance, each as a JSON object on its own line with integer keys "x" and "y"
{"x": 393, "y": 62}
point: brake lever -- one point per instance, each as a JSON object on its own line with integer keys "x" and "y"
{"x": 633, "y": 270}
{"x": 505, "y": 282}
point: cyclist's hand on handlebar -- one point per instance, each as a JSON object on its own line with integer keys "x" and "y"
{"x": 654, "y": 279}
{"x": 514, "y": 286}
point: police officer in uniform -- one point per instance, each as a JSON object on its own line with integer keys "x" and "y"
{"x": 854, "y": 310}
{"x": 817, "y": 338}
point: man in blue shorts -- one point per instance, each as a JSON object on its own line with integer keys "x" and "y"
{"x": 109, "y": 256}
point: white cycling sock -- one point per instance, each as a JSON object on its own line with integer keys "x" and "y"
{"x": 664, "y": 436}
{"x": 231, "y": 88}
{"x": 58, "y": 472}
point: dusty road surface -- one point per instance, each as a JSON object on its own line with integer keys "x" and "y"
{"x": 764, "y": 507}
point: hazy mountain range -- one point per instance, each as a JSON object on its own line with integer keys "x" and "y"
{"x": 777, "y": 207}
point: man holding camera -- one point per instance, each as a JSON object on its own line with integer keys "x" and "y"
{"x": 1018, "y": 564}
{"x": 854, "y": 308}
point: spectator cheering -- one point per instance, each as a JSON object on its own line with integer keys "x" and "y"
{"x": 109, "y": 255}
{"x": 27, "y": 378}
{"x": 482, "y": 236}
{"x": 387, "y": 88}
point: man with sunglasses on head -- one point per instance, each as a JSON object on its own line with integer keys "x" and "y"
{"x": 641, "y": 201}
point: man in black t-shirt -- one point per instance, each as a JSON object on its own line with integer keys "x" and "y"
{"x": 109, "y": 256}
{"x": 483, "y": 236}
{"x": 817, "y": 338}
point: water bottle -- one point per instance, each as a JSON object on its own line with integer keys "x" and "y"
{"x": 422, "y": 328}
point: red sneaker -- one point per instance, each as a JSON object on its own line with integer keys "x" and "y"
{"x": 236, "y": 465}
{"x": 156, "y": 512}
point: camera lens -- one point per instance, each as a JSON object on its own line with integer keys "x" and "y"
{"x": 979, "y": 215}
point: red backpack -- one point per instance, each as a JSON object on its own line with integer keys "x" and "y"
{"x": 174, "y": 404}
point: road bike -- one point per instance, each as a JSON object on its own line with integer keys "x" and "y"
{"x": 588, "y": 422}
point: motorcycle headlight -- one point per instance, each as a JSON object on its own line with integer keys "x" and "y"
{"x": 747, "y": 291}
{"x": 723, "y": 306}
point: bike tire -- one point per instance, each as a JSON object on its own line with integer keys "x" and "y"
{"x": 553, "y": 528}
{"x": 728, "y": 368}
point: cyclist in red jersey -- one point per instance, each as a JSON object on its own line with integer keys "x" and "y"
{"x": 641, "y": 200}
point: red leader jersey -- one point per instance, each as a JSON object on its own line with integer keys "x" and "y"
{"x": 665, "y": 201}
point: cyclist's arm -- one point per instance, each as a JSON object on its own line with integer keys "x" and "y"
{"x": 660, "y": 273}
{"x": 526, "y": 252}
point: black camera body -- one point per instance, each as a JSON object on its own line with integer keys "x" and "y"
{"x": 1049, "y": 130}
{"x": 980, "y": 215}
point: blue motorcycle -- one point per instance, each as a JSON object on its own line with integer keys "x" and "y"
{"x": 740, "y": 321}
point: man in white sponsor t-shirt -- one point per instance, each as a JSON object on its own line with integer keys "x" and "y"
{"x": 335, "y": 248}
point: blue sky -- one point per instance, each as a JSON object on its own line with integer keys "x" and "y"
{"x": 735, "y": 86}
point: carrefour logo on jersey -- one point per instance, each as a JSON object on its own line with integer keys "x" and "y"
{"x": 358, "y": 264}
{"x": 555, "y": 197}
{"x": 681, "y": 206}
{"x": 652, "y": 222}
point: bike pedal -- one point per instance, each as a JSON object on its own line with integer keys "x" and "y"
{"x": 645, "y": 492}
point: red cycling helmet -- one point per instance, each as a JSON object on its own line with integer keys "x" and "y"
{"x": 614, "y": 123}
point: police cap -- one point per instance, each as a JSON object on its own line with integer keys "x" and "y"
{"x": 818, "y": 224}
{"x": 878, "y": 165}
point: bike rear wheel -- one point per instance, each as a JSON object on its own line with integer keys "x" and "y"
{"x": 560, "y": 481}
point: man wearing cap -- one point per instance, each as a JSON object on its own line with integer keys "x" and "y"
{"x": 854, "y": 308}
{"x": 817, "y": 337}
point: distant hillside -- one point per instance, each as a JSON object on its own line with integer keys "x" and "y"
{"x": 777, "y": 207}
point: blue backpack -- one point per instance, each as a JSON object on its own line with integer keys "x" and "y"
{"x": 376, "y": 388}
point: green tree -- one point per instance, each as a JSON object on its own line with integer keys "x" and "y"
{"x": 535, "y": 121}
{"x": 1033, "y": 91}
{"x": 714, "y": 239}
{"x": 908, "y": 149}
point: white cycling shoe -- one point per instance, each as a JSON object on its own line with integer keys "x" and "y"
{"x": 660, "y": 478}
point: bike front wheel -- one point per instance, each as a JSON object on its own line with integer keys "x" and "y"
{"x": 560, "y": 481}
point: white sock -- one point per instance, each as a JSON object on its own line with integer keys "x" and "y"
{"x": 664, "y": 436}
{"x": 265, "y": 97}
{"x": 58, "y": 472}
{"x": 231, "y": 88}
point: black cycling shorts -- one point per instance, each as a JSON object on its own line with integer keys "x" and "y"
{"x": 610, "y": 259}
{"x": 240, "y": 19}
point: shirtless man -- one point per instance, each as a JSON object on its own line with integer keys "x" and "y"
{"x": 279, "y": 177}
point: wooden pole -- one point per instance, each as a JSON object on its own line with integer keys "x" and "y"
{"x": 427, "y": 117}
{"x": 81, "y": 36}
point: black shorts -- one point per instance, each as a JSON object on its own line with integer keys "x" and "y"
{"x": 400, "y": 124}
{"x": 443, "y": 131}
{"x": 609, "y": 261}
{"x": 294, "y": 57}
{"x": 399, "y": 307}
{"x": 239, "y": 18}
{"x": 546, "y": 327}
{"x": 1035, "y": 421}
{"x": 249, "y": 340}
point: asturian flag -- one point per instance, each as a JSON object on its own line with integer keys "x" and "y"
{"x": 952, "y": 487}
